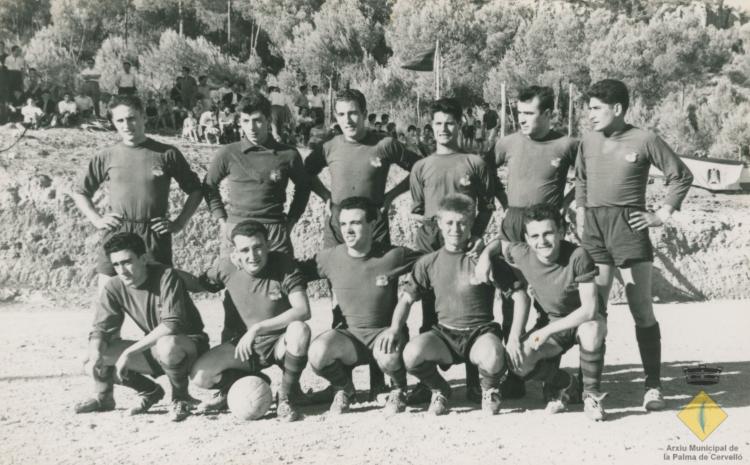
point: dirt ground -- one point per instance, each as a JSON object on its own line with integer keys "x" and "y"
{"x": 41, "y": 348}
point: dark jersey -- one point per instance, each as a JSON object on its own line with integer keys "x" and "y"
{"x": 366, "y": 288}
{"x": 458, "y": 302}
{"x": 359, "y": 168}
{"x": 161, "y": 299}
{"x": 537, "y": 169}
{"x": 263, "y": 295}
{"x": 439, "y": 175}
{"x": 613, "y": 171}
{"x": 555, "y": 285}
{"x": 139, "y": 178}
{"x": 257, "y": 178}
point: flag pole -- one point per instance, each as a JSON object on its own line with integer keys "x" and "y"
{"x": 570, "y": 109}
{"x": 504, "y": 109}
{"x": 437, "y": 65}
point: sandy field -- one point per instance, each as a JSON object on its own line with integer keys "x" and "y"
{"x": 42, "y": 343}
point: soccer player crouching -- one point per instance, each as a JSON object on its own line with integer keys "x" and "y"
{"x": 155, "y": 298}
{"x": 270, "y": 295}
{"x": 561, "y": 276}
{"x": 465, "y": 329}
{"x": 364, "y": 278}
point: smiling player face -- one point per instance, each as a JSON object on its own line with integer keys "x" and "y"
{"x": 445, "y": 127}
{"x": 455, "y": 228}
{"x": 130, "y": 124}
{"x": 351, "y": 119}
{"x": 251, "y": 253}
{"x": 355, "y": 229}
{"x": 544, "y": 238}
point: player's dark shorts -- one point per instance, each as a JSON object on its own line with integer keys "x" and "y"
{"x": 364, "y": 341}
{"x": 278, "y": 238}
{"x": 460, "y": 341}
{"x": 569, "y": 337}
{"x": 264, "y": 350}
{"x": 201, "y": 345}
{"x": 428, "y": 237}
{"x": 158, "y": 246}
{"x": 610, "y": 240}
{"x": 511, "y": 229}
{"x": 332, "y": 230}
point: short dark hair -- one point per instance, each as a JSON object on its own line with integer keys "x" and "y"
{"x": 458, "y": 203}
{"x": 385, "y": 116}
{"x": 411, "y": 128}
{"x": 302, "y": 88}
{"x": 186, "y": 68}
{"x": 131, "y": 101}
{"x": 255, "y": 102}
{"x": 249, "y": 228}
{"x": 610, "y": 91}
{"x": 390, "y": 127}
{"x": 202, "y": 77}
{"x": 450, "y": 106}
{"x": 126, "y": 62}
{"x": 125, "y": 241}
{"x": 541, "y": 212}
{"x": 360, "y": 203}
{"x": 352, "y": 95}
{"x": 372, "y": 117}
{"x": 545, "y": 95}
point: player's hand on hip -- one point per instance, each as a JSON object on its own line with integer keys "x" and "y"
{"x": 244, "y": 349}
{"x": 515, "y": 352}
{"x": 108, "y": 222}
{"x": 537, "y": 339}
{"x": 161, "y": 225}
{"x": 642, "y": 220}
{"x": 389, "y": 341}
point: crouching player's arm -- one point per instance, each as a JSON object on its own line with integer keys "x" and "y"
{"x": 145, "y": 343}
{"x": 483, "y": 267}
{"x": 300, "y": 311}
{"x": 514, "y": 347}
{"x": 390, "y": 340}
{"x": 586, "y": 312}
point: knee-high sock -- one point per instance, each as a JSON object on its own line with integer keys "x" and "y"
{"x": 592, "y": 365}
{"x": 292, "y": 370}
{"x": 428, "y": 374}
{"x": 472, "y": 375}
{"x": 491, "y": 380}
{"x": 178, "y": 377}
{"x": 548, "y": 370}
{"x": 336, "y": 373}
{"x": 376, "y": 375}
{"x": 140, "y": 383}
{"x": 649, "y": 345}
{"x": 104, "y": 382}
{"x": 398, "y": 377}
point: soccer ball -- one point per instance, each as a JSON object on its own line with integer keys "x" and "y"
{"x": 249, "y": 398}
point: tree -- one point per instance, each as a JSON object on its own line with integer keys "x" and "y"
{"x": 24, "y": 17}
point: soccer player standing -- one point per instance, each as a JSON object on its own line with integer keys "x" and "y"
{"x": 139, "y": 171}
{"x": 613, "y": 220}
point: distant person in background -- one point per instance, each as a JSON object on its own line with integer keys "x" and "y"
{"x": 276, "y": 97}
{"x": 104, "y": 99}
{"x": 67, "y": 111}
{"x": 385, "y": 118}
{"x": 317, "y": 104}
{"x": 16, "y": 102}
{"x": 372, "y": 119}
{"x": 378, "y": 127}
{"x": 489, "y": 121}
{"x": 33, "y": 84}
{"x": 188, "y": 88}
{"x": 304, "y": 124}
{"x": 468, "y": 128}
{"x": 125, "y": 80}
{"x": 204, "y": 91}
{"x": 4, "y": 90}
{"x": 15, "y": 66}
{"x": 90, "y": 84}
{"x": 190, "y": 128}
{"x": 227, "y": 125}
{"x": 48, "y": 106}
{"x": 300, "y": 101}
{"x": 390, "y": 129}
{"x": 209, "y": 126}
{"x": 230, "y": 95}
{"x": 85, "y": 105}
{"x": 166, "y": 117}
{"x": 175, "y": 93}
{"x": 32, "y": 114}
{"x": 152, "y": 114}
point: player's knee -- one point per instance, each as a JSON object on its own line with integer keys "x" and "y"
{"x": 591, "y": 334}
{"x": 319, "y": 354}
{"x": 202, "y": 377}
{"x": 412, "y": 354}
{"x": 388, "y": 362}
{"x": 297, "y": 337}
{"x": 488, "y": 356}
{"x": 168, "y": 350}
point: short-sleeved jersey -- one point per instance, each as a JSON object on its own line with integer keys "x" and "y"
{"x": 555, "y": 284}
{"x": 359, "y": 168}
{"x": 139, "y": 178}
{"x": 458, "y": 302}
{"x": 613, "y": 171}
{"x": 257, "y": 177}
{"x": 263, "y": 295}
{"x": 439, "y": 175}
{"x": 161, "y": 299}
{"x": 537, "y": 169}
{"x": 366, "y": 288}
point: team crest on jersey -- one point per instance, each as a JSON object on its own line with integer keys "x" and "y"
{"x": 555, "y": 162}
{"x": 631, "y": 157}
{"x": 157, "y": 171}
{"x": 274, "y": 293}
{"x": 275, "y": 176}
{"x": 376, "y": 162}
{"x": 465, "y": 181}
{"x": 381, "y": 280}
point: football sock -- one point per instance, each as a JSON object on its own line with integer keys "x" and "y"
{"x": 293, "y": 366}
{"x": 336, "y": 374}
{"x": 545, "y": 369}
{"x": 427, "y": 373}
{"x": 592, "y": 365}
{"x": 376, "y": 375}
{"x": 104, "y": 381}
{"x": 649, "y": 345}
{"x": 472, "y": 375}
{"x": 398, "y": 378}
{"x": 559, "y": 380}
{"x": 490, "y": 380}
{"x": 178, "y": 377}
{"x": 140, "y": 383}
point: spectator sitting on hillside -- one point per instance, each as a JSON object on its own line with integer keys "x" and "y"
{"x": 104, "y": 99}
{"x": 390, "y": 129}
{"x": 32, "y": 114}
{"x": 166, "y": 118}
{"x": 204, "y": 91}
{"x": 15, "y": 104}
{"x": 232, "y": 97}
{"x": 85, "y": 105}
{"x": 227, "y": 125}
{"x": 372, "y": 119}
{"x": 33, "y": 84}
{"x": 304, "y": 124}
{"x": 209, "y": 126}
{"x": 428, "y": 144}
{"x": 378, "y": 127}
{"x": 402, "y": 138}
{"x": 189, "y": 128}
{"x": 175, "y": 93}
{"x": 152, "y": 114}
{"x": 67, "y": 111}
{"x": 384, "y": 120}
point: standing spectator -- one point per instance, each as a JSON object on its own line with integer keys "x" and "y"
{"x": 4, "y": 92}
{"x": 227, "y": 125}
{"x": 489, "y": 121}
{"x": 175, "y": 93}
{"x": 48, "y": 106}
{"x": 385, "y": 118}
{"x": 32, "y": 114}
{"x": 226, "y": 88}
{"x": 90, "y": 84}
{"x": 125, "y": 80}
{"x": 204, "y": 91}
{"x": 468, "y": 129}
{"x": 316, "y": 102}
{"x": 300, "y": 101}
{"x": 304, "y": 124}
{"x": 189, "y": 127}
{"x": 15, "y": 65}
{"x": 85, "y": 105}
{"x": 276, "y": 97}
{"x": 152, "y": 114}
{"x": 67, "y": 111}
{"x": 231, "y": 97}
{"x": 166, "y": 117}
{"x": 33, "y": 84}
{"x": 188, "y": 88}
